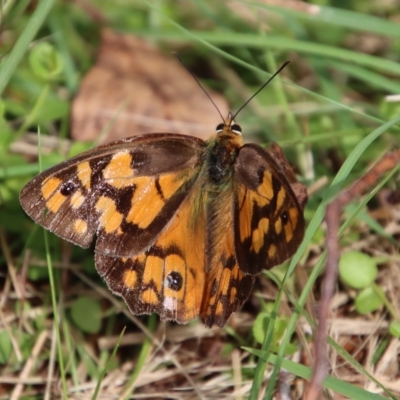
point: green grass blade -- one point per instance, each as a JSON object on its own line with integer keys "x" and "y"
{"x": 106, "y": 367}
{"x": 284, "y": 43}
{"x": 335, "y": 384}
{"x": 340, "y": 17}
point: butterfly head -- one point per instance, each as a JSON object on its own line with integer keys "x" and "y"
{"x": 229, "y": 127}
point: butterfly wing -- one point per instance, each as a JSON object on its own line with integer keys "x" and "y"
{"x": 226, "y": 287}
{"x": 269, "y": 203}
{"x": 126, "y": 192}
{"x": 169, "y": 277}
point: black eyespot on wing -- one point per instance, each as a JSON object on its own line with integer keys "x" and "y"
{"x": 67, "y": 188}
{"x": 174, "y": 281}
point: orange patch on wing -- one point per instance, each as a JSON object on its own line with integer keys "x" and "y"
{"x": 265, "y": 189}
{"x": 241, "y": 193}
{"x": 288, "y": 232}
{"x": 192, "y": 291}
{"x": 119, "y": 172}
{"x": 110, "y": 219}
{"x": 130, "y": 278}
{"x": 280, "y": 199}
{"x": 213, "y": 296}
{"x": 256, "y": 241}
{"x": 54, "y": 199}
{"x": 245, "y": 213}
{"x": 232, "y": 295}
{"x": 80, "y": 226}
{"x": 55, "y": 202}
{"x": 224, "y": 282}
{"x": 141, "y": 258}
{"x": 169, "y": 184}
{"x": 263, "y": 225}
{"x": 278, "y": 226}
{"x": 259, "y": 234}
{"x": 219, "y": 310}
{"x": 146, "y": 203}
{"x": 149, "y": 296}
{"x": 77, "y": 199}
{"x": 293, "y": 217}
{"x": 49, "y": 186}
{"x": 153, "y": 272}
{"x": 272, "y": 251}
{"x": 84, "y": 174}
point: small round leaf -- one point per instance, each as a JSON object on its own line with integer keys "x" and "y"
{"x": 368, "y": 301}
{"x": 357, "y": 269}
{"x": 45, "y": 61}
{"x": 260, "y": 327}
{"x": 86, "y": 314}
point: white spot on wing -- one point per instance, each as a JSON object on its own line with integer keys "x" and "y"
{"x": 170, "y": 303}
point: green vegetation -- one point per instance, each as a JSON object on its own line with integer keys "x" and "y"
{"x": 333, "y": 110}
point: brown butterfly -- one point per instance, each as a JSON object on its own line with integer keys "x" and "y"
{"x": 183, "y": 225}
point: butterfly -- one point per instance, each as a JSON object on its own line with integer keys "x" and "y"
{"x": 183, "y": 225}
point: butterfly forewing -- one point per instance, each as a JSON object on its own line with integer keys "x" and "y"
{"x": 268, "y": 221}
{"x": 129, "y": 187}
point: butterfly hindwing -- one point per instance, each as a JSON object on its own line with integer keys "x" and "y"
{"x": 227, "y": 287}
{"x": 128, "y": 188}
{"x": 169, "y": 277}
{"x": 268, "y": 222}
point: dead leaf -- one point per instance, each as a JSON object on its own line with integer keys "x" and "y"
{"x": 137, "y": 89}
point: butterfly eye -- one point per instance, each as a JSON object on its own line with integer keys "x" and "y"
{"x": 236, "y": 129}
{"x": 220, "y": 128}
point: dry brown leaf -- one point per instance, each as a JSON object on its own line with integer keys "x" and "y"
{"x": 139, "y": 90}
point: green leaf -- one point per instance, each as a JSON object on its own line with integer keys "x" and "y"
{"x": 86, "y": 314}
{"x": 5, "y": 347}
{"x": 357, "y": 269}
{"x": 45, "y": 61}
{"x": 368, "y": 301}
{"x": 394, "y": 328}
{"x": 261, "y": 325}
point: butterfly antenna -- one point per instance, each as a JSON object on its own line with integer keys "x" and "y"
{"x": 198, "y": 82}
{"x": 261, "y": 88}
